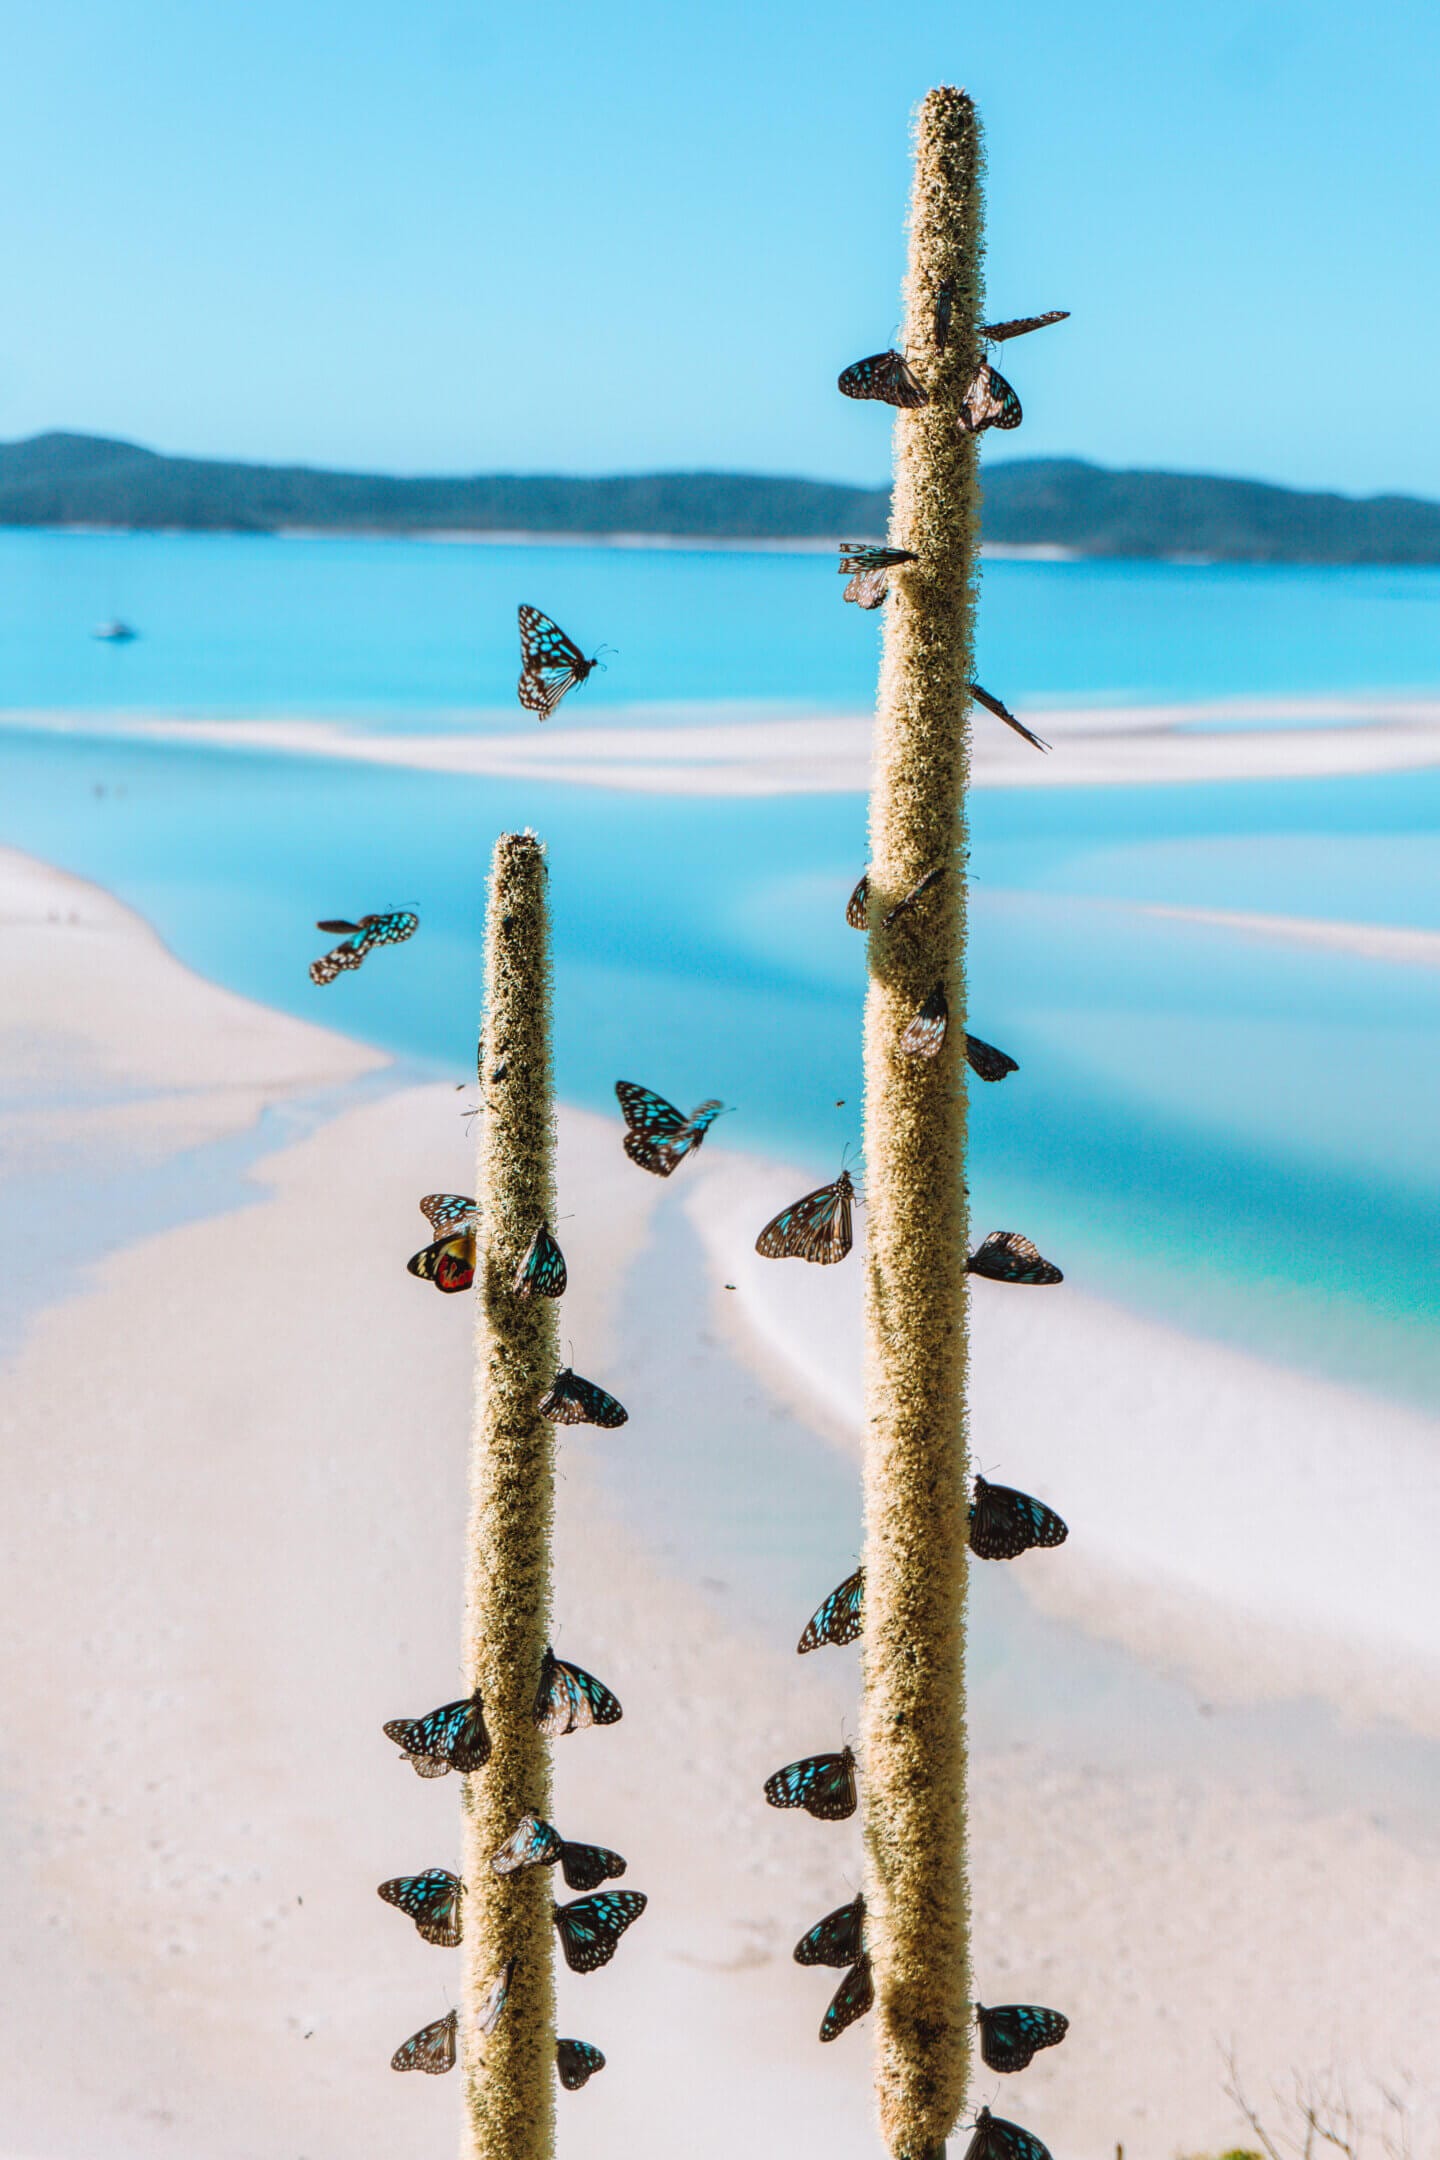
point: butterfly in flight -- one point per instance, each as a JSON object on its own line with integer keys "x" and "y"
{"x": 570, "y": 1400}
{"x": 543, "y": 1267}
{"x": 450, "y": 1738}
{"x": 857, "y": 907}
{"x": 432, "y": 2049}
{"x": 534, "y": 1843}
{"x": 577, "y": 2062}
{"x": 1004, "y": 1523}
{"x": 996, "y": 2139}
{"x": 569, "y": 1699}
{"x": 926, "y": 1032}
{"x": 868, "y": 569}
{"x": 995, "y": 333}
{"x": 854, "y": 1996}
{"x": 1005, "y": 1256}
{"x": 449, "y": 1263}
{"x": 915, "y": 895}
{"x": 886, "y": 376}
{"x": 360, "y": 938}
{"x": 492, "y": 2008}
{"x": 840, "y": 1618}
{"x": 660, "y": 1136}
{"x": 431, "y": 1900}
{"x": 986, "y": 1061}
{"x": 989, "y": 402}
{"x": 591, "y": 1927}
{"x": 838, "y": 1939}
{"x": 550, "y": 664}
{"x": 1003, "y": 712}
{"x": 824, "y": 1785}
{"x": 1014, "y": 2032}
{"x": 816, "y": 1227}
{"x": 944, "y": 303}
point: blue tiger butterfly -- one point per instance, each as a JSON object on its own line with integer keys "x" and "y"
{"x": 576, "y": 2062}
{"x": 925, "y": 1035}
{"x": 824, "y": 1785}
{"x": 660, "y": 1136}
{"x": 996, "y": 2139}
{"x": 569, "y": 1699}
{"x": 534, "y": 1843}
{"x": 431, "y": 1900}
{"x": 1005, "y": 1256}
{"x": 1005, "y": 1523}
{"x": 816, "y": 1227}
{"x": 447, "y": 1212}
{"x": 450, "y": 1738}
{"x": 1012, "y": 2033}
{"x": 885, "y": 376}
{"x": 838, "y": 1939}
{"x": 989, "y": 402}
{"x": 492, "y": 2009}
{"x": 995, "y": 333}
{"x": 840, "y": 1618}
{"x": 432, "y": 2049}
{"x": 543, "y": 1267}
{"x": 590, "y": 1928}
{"x": 569, "y": 1400}
{"x": 1003, "y": 712}
{"x": 985, "y": 1060}
{"x": 854, "y": 1996}
{"x": 868, "y": 569}
{"x": 360, "y": 938}
{"x": 858, "y": 905}
{"x": 550, "y": 663}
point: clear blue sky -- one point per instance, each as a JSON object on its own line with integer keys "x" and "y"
{"x": 574, "y": 237}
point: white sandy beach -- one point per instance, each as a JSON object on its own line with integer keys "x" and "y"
{"x": 236, "y": 1454}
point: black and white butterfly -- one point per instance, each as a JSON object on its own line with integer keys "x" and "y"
{"x": 857, "y": 907}
{"x": 569, "y": 1699}
{"x": 986, "y": 1061}
{"x": 573, "y": 1401}
{"x": 543, "y": 1267}
{"x": 576, "y": 2062}
{"x": 824, "y": 1785}
{"x": 995, "y": 333}
{"x": 886, "y": 376}
{"x": 660, "y": 1136}
{"x": 996, "y": 2139}
{"x": 1003, "y": 712}
{"x": 1005, "y": 1523}
{"x": 989, "y": 402}
{"x": 550, "y": 663}
{"x": 432, "y": 2049}
{"x": 431, "y": 1900}
{"x": 838, "y": 1939}
{"x": 492, "y": 2008}
{"x": 450, "y": 1738}
{"x": 854, "y": 1996}
{"x": 534, "y": 1843}
{"x": 840, "y": 1618}
{"x": 591, "y": 1927}
{"x": 925, "y": 1035}
{"x": 868, "y": 569}
{"x": 359, "y": 939}
{"x": 1005, "y": 1256}
{"x": 816, "y": 1227}
{"x": 914, "y": 896}
{"x": 1012, "y": 2033}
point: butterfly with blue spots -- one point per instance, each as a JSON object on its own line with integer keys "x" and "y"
{"x": 576, "y": 2062}
{"x": 660, "y": 1136}
{"x": 432, "y": 2049}
{"x": 590, "y": 1928}
{"x": 824, "y": 1785}
{"x": 431, "y": 1900}
{"x": 569, "y": 1699}
{"x": 543, "y": 1267}
{"x": 360, "y": 938}
{"x": 924, "y": 1037}
{"x": 1012, "y": 2033}
{"x": 570, "y": 1400}
{"x": 1005, "y": 1256}
{"x": 840, "y": 1618}
{"x": 854, "y": 1996}
{"x": 816, "y": 1227}
{"x": 534, "y": 1843}
{"x": 838, "y": 1939}
{"x": 886, "y": 376}
{"x": 550, "y": 663}
{"x": 996, "y": 2139}
{"x": 868, "y": 569}
{"x": 492, "y": 2007}
{"x": 450, "y": 1738}
{"x": 1005, "y": 1523}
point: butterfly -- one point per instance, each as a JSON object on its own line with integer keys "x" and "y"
{"x": 1003, "y": 712}
{"x": 432, "y": 2049}
{"x": 591, "y": 1927}
{"x": 838, "y": 1620}
{"x": 360, "y": 937}
{"x": 447, "y": 1212}
{"x": 543, "y": 1267}
{"x": 926, "y": 1032}
{"x": 996, "y": 2139}
{"x": 492, "y": 2009}
{"x": 1004, "y": 1523}
{"x": 989, "y": 402}
{"x": 985, "y": 1060}
{"x": 538, "y": 1844}
{"x": 570, "y": 1698}
{"x": 1005, "y": 1256}
{"x": 450, "y": 1738}
{"x": 573, "y": 1401}
{"x": 995, "y": 333}
{"x": 916, "y": 893}
{"x": 868, "y": 569}
{"x": 449, "y": 1263}
{"x": 857, "y": 906}
{"x": 817, "y": 1227}
{"x": 854, "y": 1996}
{"x": 431, "y": 1900}
{"x": 824, "y": 1785}
{"x": 660, "y": 1136}
{"x": 1013, "y": 2033}
{"x": 944, "y": 302}
{"x": 577, "y": 2062}
{"x": 838, "y": 1939}
{"x": 887, "y": 376}
{"x": 549, "y": 663}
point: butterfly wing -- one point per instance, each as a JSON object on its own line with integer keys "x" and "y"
{"x": 550, "y": 663}
{"x": 346, "y": 956}
{"x": 824, "y": 1785}
{"x": 574, "y": 1401}
{"x": 653, "y": 1125}
{"x": 390, "y": 929}
{"x": 985, "y": 1060}
{"x": 854, "y": 1996}
{"x": 840, "y": 1618}
{"x": 447, "y": 1212}
{"x": 835, "y": 1940}
{"x": 869, "y": 588}
{"x": 1012, "y": 2033}
{"x": 1020, "y": 325}
{"x": 577, "y": 2062}
{"x": 449, "y": 1263}
{"x": 1005, "y": 1523}
{"x": 570, "y": 1698}
{"x": 914, "y": 896}
{"x": 817, "y": 1227}
{"x": 431, "y": 1900}
{"x": 989, "y": 402}
{"x": 1006, "y": 1256}
{"x": 585, "y": 1867}
{"x": 450, "y": 1738}
{"x": 996, "y": 2139}
{"x": 855, "y": 555}
{"x": 926, "y": 1032}
{"x": 591, "y": 1927}
{"x": 432, "y": 2049}
{"x": 944, "y": 302}
{"x": 336, "y": 926}
{"x": 543, "y": 1267}
{"x": 885, "y": 376}
{"x": 1003, "y": 712}
{"x": 492, "y": 2008}
{"x": 857, "y": 906}
{"x": 531, "y": 1843}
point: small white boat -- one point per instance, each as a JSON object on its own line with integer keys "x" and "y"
{"x": 114, "y": 633}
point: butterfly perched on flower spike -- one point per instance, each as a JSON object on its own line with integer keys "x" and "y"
{"x": 986, "y": 1061}
{"x": 996, "y": 2139}
{"x": 989, "y": 402}
{"x": 868, "y": 569}
{"x": 925, "y": 1034}
{"x": 590, "y": 1927}
{"x": 1005, "y": 1523}
{"x": 534, "y": 1843}
{"x": 824, "y": 1785}
{"x": 857, "y": 907}
{"x": 816, "y": 1227}
{"x": 840, "y": 1618}
{"x": 838, "y": 1939}
{"x": 432, "y": 2049}
{"x": 1005, "y": 1256}
{"x": 543, "y": 1267}
{"x": 431, "y": 1900}
{"x": 854, "y": 1996}
{"x": 449, "y": 1263}
{"x": 916, "y": 893}
{"x": 492, "y": 2007}
{"x": 576, "y": 2062}
{"x": 886, "y": 376}
{"x": 447, "y": 1212}
{"x": 944, "y": 304}
{"x": 1003, "y": 712}
{"x": 569, "y": 1400}
{"x": 569, "y": 1699}
{"x": 995, "y": 333}
{"x": 550, "y": 663}
{"x": 450, "y": 1738}
{"x": 660, "y": 1136}
{"x": 360, "y": 938}
{"x": 1012, "y": 2033}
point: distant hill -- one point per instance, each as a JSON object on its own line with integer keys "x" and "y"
{"x": 60, "y": 479}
